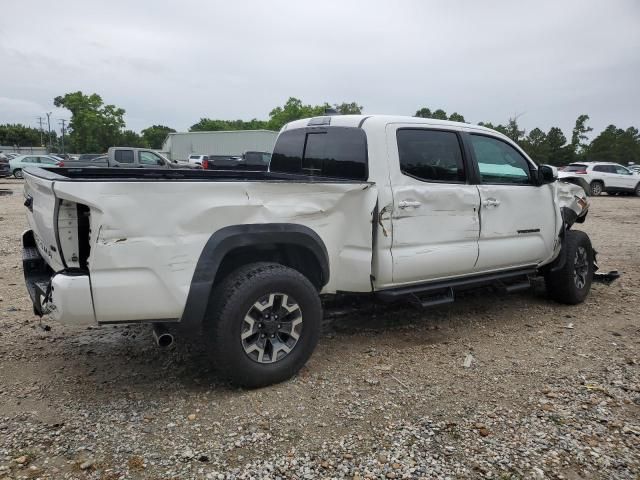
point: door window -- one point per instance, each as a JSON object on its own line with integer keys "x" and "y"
{"x": 620, "y": 170}
{"x": 430, "y": 155}
{"x": 149, "y": 158}
{"x": 30, "y": 160}
{"x": 499, "y": 162}
{"x": 124, "y": 156}
{"x": 48, "y": 161}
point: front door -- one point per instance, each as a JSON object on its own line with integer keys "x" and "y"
{"x": 435, "y": 224}
{"x": 517, "y": 216}
{"x": 624, "y": 178}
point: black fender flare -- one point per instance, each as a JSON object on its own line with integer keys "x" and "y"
{"x": 234, "y": 236}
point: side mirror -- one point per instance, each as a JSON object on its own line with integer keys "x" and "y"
{"x": 547, "y": 174}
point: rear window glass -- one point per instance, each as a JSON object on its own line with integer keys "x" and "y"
{"x": 194, "y": 156}
{"x": 124, "y": 156}
{"x": 430, "y": 155}
{"x": 575, "y": 167}
{"x": 337, "y": 152}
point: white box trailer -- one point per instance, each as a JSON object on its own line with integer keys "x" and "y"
{"x": 179, "y": 145}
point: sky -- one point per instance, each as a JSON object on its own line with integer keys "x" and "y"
{"x": 173, "y": 63}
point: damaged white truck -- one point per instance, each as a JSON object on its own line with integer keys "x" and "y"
{"x": 399, "y": 208}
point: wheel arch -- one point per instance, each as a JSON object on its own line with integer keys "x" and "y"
{"x": 296, "y": 246}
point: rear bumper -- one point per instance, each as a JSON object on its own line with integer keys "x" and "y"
{"x": 64, "y": 296}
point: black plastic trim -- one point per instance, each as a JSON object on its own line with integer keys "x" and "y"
{"x": 234, "y": 236}
{"x": 463, "y": 282}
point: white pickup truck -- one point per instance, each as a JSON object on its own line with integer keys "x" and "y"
{"x": 400, "y": 208}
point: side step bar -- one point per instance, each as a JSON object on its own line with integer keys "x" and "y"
{"x": 440, "y": 293}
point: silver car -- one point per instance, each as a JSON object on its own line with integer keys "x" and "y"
{"x": 17, "y": 164}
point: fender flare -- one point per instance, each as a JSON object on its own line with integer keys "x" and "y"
{"x": 228, "y": 238}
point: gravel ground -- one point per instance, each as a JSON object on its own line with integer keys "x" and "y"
{"x": 489, "y": 387}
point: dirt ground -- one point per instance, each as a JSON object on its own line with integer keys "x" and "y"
{"x": 551, "y": 391}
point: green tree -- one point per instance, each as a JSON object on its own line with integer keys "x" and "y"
{"x": 293, "y": 109}
{"x": 615, "y": 145}
{"x": 440, "y": 114}
{"x": 579, "y": 135}
{"x": 154, "y": 135}
{"x": 349, "y": 108}
{"x": 536, "y": 146}
{"x": 456, "y": 117}
{"x": 23, "y": 136}
{"x": 424, "y": 113}
{"x": 129, "y": 138}
{"x": 94, "y": 126}
{"x": 212, "y": 125}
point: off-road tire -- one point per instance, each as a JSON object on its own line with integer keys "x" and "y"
{"x": 596, "y": 188}
{"x": 231, "y": 301}
{"x": 18, "y": 173}
{"x": 563, "y": 285}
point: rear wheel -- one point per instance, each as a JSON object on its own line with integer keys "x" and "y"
{"x": 263, "y": 324}
{"x": 571, "y": 284}
{"x": 17, "y": 173}
{"x": 596, "y": 188}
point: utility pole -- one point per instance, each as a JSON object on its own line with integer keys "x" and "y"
{"x": 40, "y": 119}
{"x": 49, "y": 128}
{"x": 62, "y": 122}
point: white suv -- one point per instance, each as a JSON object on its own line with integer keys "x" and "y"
{"x": 598, "y": 177}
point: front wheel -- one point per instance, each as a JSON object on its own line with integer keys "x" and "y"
{"x": 263, "y": 324}
{"x": 596, "y": 188}
{"x": 17, "y": 173}
{"x": 571, "y": 284}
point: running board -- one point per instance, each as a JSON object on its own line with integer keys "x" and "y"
{"x": 442, "y": 292}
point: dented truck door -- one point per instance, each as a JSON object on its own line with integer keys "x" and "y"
{"x": 435, "y": 209}
{"x": 517, "y": 228}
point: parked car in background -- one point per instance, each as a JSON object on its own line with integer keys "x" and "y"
{"x": 17, "y": 164}
{"x": 4, "y": 166}
{"x": 89, "y": 156}
{"x": 254, "y": 161}
{"x": 635, "y": 168}
{"x": 128, "y": 157}
{"x": 598, "y": 177}
{"x": 197, "y": 159}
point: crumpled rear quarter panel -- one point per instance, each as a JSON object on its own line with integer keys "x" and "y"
{"x": 148, "y": 236}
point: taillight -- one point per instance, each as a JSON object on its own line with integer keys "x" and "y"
{"x": 60, "y": 164}
{"x": 205, "y": 164}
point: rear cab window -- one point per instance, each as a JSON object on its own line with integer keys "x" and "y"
{"x": 430, "y": 155}
{"x": 124, "y": 156}
{"x": 334, "y": 152}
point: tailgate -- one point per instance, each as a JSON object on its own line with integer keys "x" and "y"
{"x": 42, "y": 209}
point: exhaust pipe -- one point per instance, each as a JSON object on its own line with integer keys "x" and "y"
{"x": 161, "y": 335}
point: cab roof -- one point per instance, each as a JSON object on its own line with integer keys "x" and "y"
{"x": 362, "y": 120}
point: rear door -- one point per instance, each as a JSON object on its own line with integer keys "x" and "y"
{"x": 517, "y": 216}
{"x": 435, "y": 208}
{"x": 124, "y": 158}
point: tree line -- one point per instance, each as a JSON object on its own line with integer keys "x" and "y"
{"x": 96, "y": 126}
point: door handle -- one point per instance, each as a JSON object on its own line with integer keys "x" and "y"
{"x": 408, "y": 204}
{"x": 491, "y": 202}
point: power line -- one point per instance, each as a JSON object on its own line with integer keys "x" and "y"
{"x": 49, "y": 128}
{"x": 62, "y": 122}
{"x": 40, "y": 120}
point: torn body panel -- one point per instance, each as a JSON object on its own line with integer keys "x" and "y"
{"x": 150, "y": 235}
